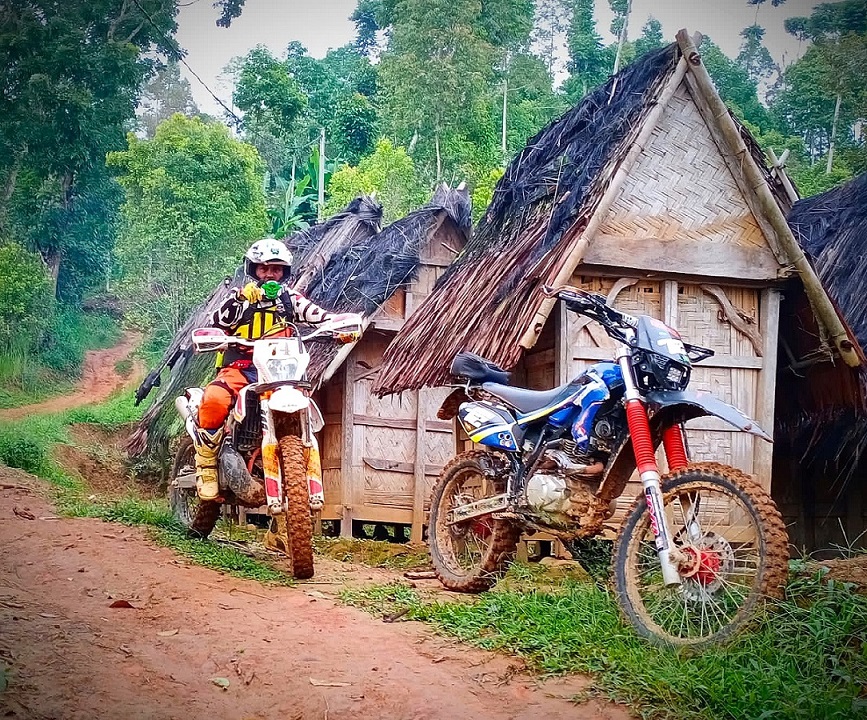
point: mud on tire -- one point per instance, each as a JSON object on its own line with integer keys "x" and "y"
{"x": 741, "y": 540}
{"x": 457, "y": 565}
{"x": 197, "y": 516}
{"x": 298, "y": 518}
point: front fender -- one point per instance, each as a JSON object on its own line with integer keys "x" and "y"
{"x": 680, "y": 406}
{"x": 288, "y": 400}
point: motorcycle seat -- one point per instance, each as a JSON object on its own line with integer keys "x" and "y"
{"x": 474, "y": 367}
{"x": 527, "y": 401}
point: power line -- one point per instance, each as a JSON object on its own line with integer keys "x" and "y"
{"x": 179, "y": 57}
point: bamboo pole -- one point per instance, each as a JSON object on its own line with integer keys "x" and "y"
{"x": 580, "y": 247}
{"x": 728, "y": 132}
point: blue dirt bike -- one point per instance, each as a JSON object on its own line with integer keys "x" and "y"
{"x": 697, "y": 550}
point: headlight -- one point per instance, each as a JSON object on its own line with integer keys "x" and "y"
{"x": 279, "y": 369}
{"x": 674, "y": 375}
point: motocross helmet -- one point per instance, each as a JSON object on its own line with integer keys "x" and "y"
{"x": 268, "y": 251}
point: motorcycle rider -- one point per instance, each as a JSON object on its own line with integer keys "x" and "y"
{"x": 248, "y": 313}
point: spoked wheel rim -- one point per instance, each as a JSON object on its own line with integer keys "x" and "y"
{"x": 465, "y": 546}
{"x": 717, "y": 541}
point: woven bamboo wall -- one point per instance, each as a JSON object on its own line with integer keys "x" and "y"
{"x": 680, "y": 208}
{"x": 732, "y": 374}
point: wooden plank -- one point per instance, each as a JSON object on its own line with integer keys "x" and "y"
{"x": 724, "y": 361}
{"x": 407, "y": 468}
{"x": 691, "y": 256}
{"x": 562, "y": 350}
{"x": 347, "y": 471}
{"x": 769, "y": 321}
{"x": 419, "y": 470}
{"x": 442, "y": 426}
{"x": 669, "y": 303}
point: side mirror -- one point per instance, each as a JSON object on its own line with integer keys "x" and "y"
{"x": 209, "y": 339}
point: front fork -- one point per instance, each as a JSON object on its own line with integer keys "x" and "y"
{"x": 271, "y": 462}
{"x": 645, "y": 456}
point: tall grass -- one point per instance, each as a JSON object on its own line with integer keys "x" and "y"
{"x": 805, "y": 658}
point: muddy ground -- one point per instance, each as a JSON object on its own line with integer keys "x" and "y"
{"x": 288, "y": 653}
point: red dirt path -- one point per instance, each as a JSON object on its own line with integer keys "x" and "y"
{"x": 99, "y": 379}
{"x": 288, "y": 653}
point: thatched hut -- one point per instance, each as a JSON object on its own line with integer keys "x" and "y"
{"x": 379, "y": 457}
{"x": 652, "y": 193}
{"x": 822, "y": 415}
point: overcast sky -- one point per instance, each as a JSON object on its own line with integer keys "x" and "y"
{"x": 323, "y": 24}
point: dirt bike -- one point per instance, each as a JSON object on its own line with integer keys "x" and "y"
{"x": 696, "y": 551}
{"x": 269, "y": 455}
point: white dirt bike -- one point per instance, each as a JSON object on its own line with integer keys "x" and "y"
{"x": 269, "y": 455}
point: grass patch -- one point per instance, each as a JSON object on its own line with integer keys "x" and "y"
{"x": 807, "y": 658}
{"x": 123, "y": 367}
{"x": 373, "y": 553}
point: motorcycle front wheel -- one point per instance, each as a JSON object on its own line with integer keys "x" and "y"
{"x": 468, "y": 556}
{"x": 735, "y": 541}
{"x": 298, "y": 519}
{"x": 199, "y": 517}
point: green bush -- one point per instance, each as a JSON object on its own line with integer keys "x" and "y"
{"x": 26, "y": 296}
{"x": 72, "y": 333}
{"x": 21, "y": 451}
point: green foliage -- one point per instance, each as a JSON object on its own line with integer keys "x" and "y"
{"x": 806, "y": 658}
{"x": 194, "y": 201}
{"x": 167, "y": 93}
{"x": 588, "y": 65}
{"x": 26, "y": 302}
{"x": 734, "y": 85}
{"x": 22, "y": 450}
{"x": 71, "y": 334}
{"x": 651, "y": 37}
{"x": 483, "y": 192}
{"x": 266, "y": 93}
{"x": 389, "y": 171}
{"x": 813, "y": 179}
{"x": 754, "y": 57}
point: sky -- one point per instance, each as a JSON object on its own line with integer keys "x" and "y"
{"x": 323, "y": 24}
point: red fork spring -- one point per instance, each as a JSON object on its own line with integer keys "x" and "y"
{"x": 675, "y": 451}
{"x": 642, "y": 442}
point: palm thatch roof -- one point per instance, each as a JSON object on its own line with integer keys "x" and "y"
{"x": 548, "y": 193}
{"x": 545, "y": 210}
{"x": 823, "y": 413}
{"x": 832, "y": 229}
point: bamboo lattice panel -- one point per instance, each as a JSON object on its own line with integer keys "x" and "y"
{"x": 680, "y": 209}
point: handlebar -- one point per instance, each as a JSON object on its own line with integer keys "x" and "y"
{"x": 345, "y": 328}
{"x": 595, "y": 307}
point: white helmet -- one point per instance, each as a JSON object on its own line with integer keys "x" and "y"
{"x": 268, "y": 251}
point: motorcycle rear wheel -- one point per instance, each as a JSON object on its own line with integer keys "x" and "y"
{"x": 299, "y": 521}
{"x": 724, "y": 520}
{"x": 468, "y": 556}
{"x": 199, "y": 517}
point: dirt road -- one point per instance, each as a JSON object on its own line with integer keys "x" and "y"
{"x": 99, "y": 379}
{"x": 287, "y": 653}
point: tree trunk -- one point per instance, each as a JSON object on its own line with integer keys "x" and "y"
{"x": 833, "y": 134}
{"x": 439, "y": 159}
{"x": 321, "y": 209}
{"x": 622, "y": 41}
{"x": 505, "y": 96}
{"x": 412, "y": 142}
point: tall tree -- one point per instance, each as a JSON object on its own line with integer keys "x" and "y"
{"x": 754, "y": 57}
{"x": 587, "y": 59}
{"x": 194, "y": 201}
{"x": 734, "y": 84}
{"x": 167, "y": 93}
{"x": 552, "y": 21}
{"x": 651, "y": 37}
{"x": 71, "y": 75}
{"x": 435, "y": 78}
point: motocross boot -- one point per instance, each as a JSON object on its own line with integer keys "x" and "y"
{"x": 207, "y": 446}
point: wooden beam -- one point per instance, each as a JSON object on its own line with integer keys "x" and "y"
{"x": 420, "y": 456}
{"x": 398, "y": 466}
{"x": 769, "y": 322}
{"x": 401, "y": 423}
{"x": 669, "y": 303}
{"x": 693, "y": 256}
{"x": 734, "y": 147}
{"x": 582, "y": 241}
{"x": 737, "y": 319}
{"x": 347, "y": 470}
{"x": 779, "y": 165}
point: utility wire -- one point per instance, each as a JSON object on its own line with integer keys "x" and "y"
{"x": 178, "y": 54}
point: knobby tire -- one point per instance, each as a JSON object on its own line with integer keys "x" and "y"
{"x": 298, "y": 519}
{"x": 504, "y": 534}
{"x": 773, "y": 554}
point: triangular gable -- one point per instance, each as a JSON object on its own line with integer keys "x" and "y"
{"x": 680, "y": 209}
